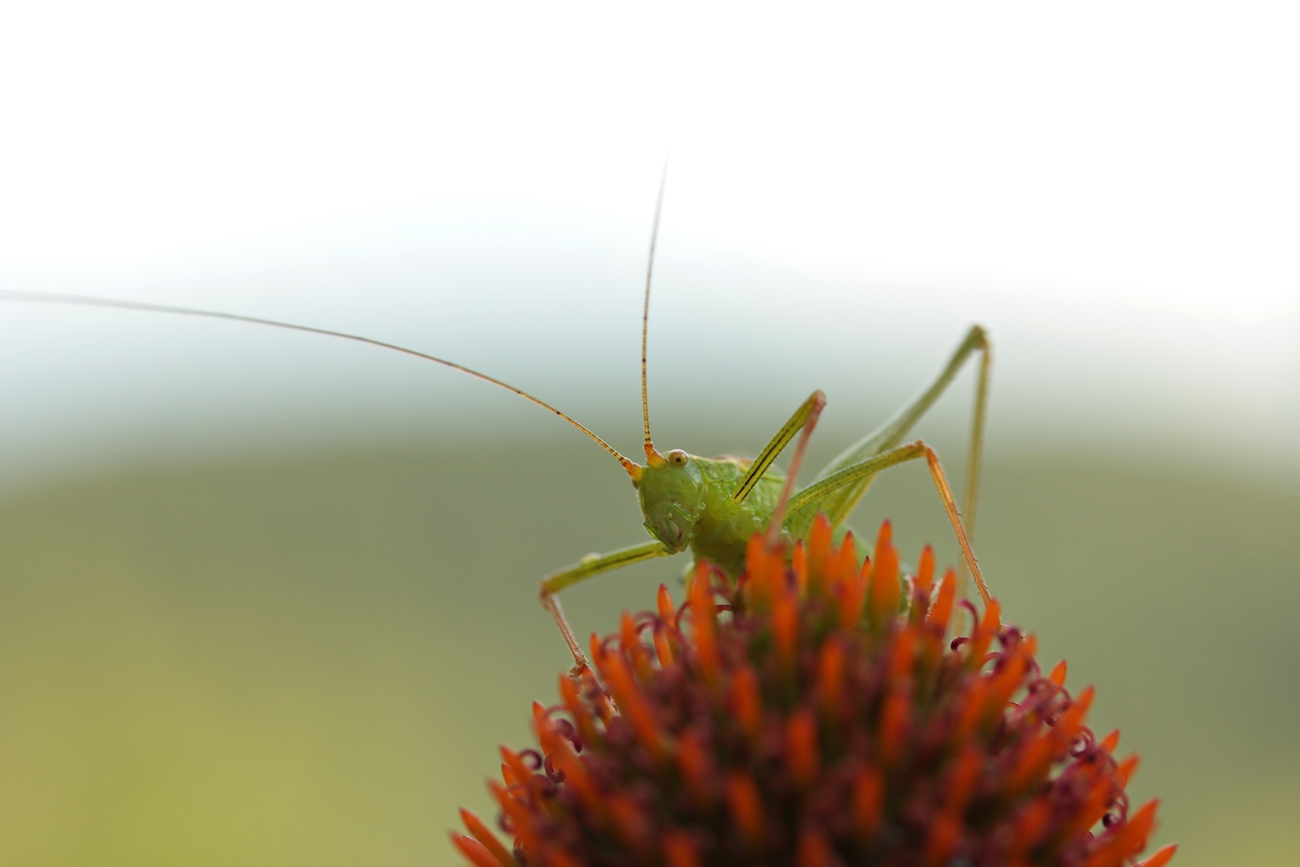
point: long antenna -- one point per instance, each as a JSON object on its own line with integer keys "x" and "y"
{"x": 88, "y": 301}
{"x": 652, "y": 456}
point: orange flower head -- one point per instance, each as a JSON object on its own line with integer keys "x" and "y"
{"x": 815, "y": 715}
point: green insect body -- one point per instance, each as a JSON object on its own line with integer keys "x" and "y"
{"x": 714, "y": 507}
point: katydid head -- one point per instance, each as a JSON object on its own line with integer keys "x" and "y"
{"x": 671, "y": 492}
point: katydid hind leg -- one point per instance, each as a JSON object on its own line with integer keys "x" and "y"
{"x": 975, "y": 453}
{"x": 811, "y": 500}
{"x": 805, "y": 505}
{"x": 838, "y": 505}
{"x": 590, "y": 567}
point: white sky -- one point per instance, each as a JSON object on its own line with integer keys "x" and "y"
{"x": 1112, "y": 189}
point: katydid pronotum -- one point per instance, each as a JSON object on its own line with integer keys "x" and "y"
{"x": 712, "y": 507}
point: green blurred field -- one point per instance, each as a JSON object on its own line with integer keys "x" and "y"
{"x": 311, "y": 660}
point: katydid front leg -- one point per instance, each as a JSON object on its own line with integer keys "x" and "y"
{"x": 589, "y": 567}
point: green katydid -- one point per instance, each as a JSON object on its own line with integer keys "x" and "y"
{"x": 714, "y": 506}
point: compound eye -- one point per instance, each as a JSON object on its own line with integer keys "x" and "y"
{"x": 677, "y": 458}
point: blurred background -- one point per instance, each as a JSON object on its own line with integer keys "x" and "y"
{"x": 269, "y": 598}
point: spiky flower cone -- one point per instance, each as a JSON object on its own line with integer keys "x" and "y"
{"x": 818, "y": 717}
